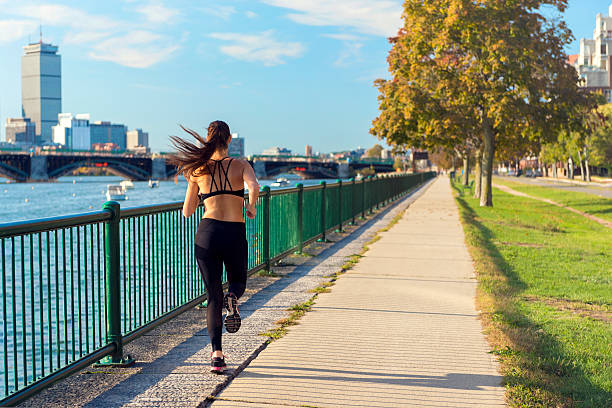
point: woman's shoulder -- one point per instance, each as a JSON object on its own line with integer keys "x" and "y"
{"x": 240, "y": 162}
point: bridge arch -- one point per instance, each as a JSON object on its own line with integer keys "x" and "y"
{"x": 12, "y": 173}
{"x": 116, "y": 167}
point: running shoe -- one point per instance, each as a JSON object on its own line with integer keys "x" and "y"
{"x": 217, "y": 365}
{"x": 232, "y": 319}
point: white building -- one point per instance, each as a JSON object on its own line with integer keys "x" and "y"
{"x": 73, "y": 132}
{"x": 593, "y": 62}
{"x": 137, "y": 138}
{"x": 276, "y": 151}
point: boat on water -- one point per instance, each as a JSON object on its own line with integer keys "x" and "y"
{"x": 281, "y": 182}
{"x": 153, "y": 183}
{"x": 127, "y": 184}
{"x": 115, "y": 192}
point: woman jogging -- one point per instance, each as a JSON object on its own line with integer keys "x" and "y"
{"x": 218, "y": 181}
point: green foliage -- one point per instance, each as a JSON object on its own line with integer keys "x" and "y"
{"x": 398, "y": 163}
{"x": 469, "y": 74}
{"x": 374, "y": 151}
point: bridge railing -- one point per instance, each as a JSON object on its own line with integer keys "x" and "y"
{"x": 75, "y": 289}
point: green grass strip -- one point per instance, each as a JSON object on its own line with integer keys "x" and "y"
{"x": 588, "y": 203}
{"x": 545, "y": 292}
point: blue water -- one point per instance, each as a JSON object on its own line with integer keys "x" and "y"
{"x": 43, "y": 275}
{"x": 72, "y": 195}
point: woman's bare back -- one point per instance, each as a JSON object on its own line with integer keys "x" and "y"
{"x": 228, "y": 176}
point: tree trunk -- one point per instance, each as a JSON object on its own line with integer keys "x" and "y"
{"x": 570, "y": 168}
{"x": 582, "y": 175}
{"x": 486, "y": 196}
{"x": 466, "y": 169}
{"x": 545, "y": 170}
{"x": 478, "y": 174}
{"x": 586, "y": 165}
{"x": 554, "y": 170}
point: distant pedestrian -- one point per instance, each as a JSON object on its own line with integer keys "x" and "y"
{"x": 213, "y": 179}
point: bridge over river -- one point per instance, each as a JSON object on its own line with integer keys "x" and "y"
{"x": 22, "y": 166}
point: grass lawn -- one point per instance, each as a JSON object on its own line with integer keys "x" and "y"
{"x": 545, "y": 290}
{"x": 589, "y": 203}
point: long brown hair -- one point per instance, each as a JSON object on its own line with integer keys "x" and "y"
{"x": 191, "y": 159}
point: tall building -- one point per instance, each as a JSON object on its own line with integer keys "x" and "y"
{"x": 73, "y": 132}
{"x": 593, "y": 62}
{"x": 236, "y": 146}
{"x": 106, "y": 132}
{"x": 41, "y": 88}
{"x": 308, "y": 151}
{"x": 20, "y": 130}
{"x": 136, "y": 138}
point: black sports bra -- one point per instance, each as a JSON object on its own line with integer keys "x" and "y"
{"x": 221, "y": 187}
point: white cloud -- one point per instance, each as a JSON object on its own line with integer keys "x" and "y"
{"x": 250, "y": 14}
{"x": 262, "y": 47}
{"x": 377, "y": 17}
{"x": 59, "y": 15}
{"x": 12, "y": 30}
{"x": 223, "y": 12}
{"x": 156, "y": 12}
{"x": 125, "y": 42}
{"x": 351, "y": 47}
{"x": 136, "y": 49}
{"x": 342, "y": 37}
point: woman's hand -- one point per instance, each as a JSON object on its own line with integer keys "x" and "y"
{"x": 251, "y": 210}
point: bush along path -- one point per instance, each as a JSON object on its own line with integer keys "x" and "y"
{"x": 545, "y": 289}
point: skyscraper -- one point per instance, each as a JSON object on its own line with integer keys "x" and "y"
{"x": 41, "y": 88}
{"x": 236, "y": 146}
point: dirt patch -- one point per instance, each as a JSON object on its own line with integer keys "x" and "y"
{"x": 597, "y": 312}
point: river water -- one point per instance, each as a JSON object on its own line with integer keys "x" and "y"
{"x": 72, "y": 195}
{"x": 44, "y": 287}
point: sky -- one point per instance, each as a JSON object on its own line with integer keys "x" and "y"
{"x": 279, "y": 72}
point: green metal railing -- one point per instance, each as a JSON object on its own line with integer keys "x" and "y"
{"x": 75, "y": 289}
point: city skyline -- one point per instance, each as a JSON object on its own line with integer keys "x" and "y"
{"x": 281, "y": 73}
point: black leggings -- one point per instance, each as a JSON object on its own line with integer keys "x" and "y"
{"x": 217, "y": 243}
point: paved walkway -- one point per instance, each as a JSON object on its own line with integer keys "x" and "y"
{"x": 400, "y": 329}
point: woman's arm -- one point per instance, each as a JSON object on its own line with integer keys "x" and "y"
{"x": 190, "y": 205}
{"x": 249, "y": 178}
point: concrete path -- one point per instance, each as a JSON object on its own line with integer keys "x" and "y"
{"x": 399, "y": 330}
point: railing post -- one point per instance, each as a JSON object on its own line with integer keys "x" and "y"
{"x": 323, "y": 223}
{"x": 376, "y": 190}
{"x": 113, "y": 289}
{"x": 353, "y": 201}
{"x": 266, "y": 227}
{"x": 300, "y": 216}
{"x": 339, "y": 205}
{"x": 363, "y": 192}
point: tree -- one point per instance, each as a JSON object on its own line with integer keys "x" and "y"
{"x": 398, "y": 163}
{"x": 491, "y": 73}
{"x": 374, "y": 152}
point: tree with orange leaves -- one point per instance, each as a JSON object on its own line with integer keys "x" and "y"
{"x": 482, "y": 73}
